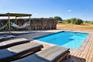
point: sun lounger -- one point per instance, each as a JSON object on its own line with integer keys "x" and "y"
{"x": 52, "y": 54}
{"x": 3, "y": 38}
{"x": 19, "y": 51}
{"x": 13, "y": 42}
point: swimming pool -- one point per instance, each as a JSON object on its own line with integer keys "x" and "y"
{"x": 65, "y": 38}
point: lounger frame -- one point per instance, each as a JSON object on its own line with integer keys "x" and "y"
{"x": 22, "y": 54}
{"x": 62, "y": 57}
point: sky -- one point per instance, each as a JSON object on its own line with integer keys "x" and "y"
{"x": 49, "y": 8}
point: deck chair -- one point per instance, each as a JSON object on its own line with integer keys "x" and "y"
{"x": 3, "y": 38}
{"x": 13, "y": 42}
{"x": 52, "y": 54}
{"x": 19, "y": 51}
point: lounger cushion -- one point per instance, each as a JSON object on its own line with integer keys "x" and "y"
{"x": 47, "y": 55}
{"x": 12, "y": 42}
{"x": 6, "y": 37}
{"x": 12, "y": 51}
{"x": 23, "y": 47}
{"x": 52, "y": 53}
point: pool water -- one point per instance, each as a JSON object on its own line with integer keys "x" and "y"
{"x": 65, "y": 38}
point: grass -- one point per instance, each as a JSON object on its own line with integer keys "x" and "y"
{"x": 85, "y": 27}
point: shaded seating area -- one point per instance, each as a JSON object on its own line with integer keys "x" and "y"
{"x": 52, "y": 54}
{"x": 19, "y": 51}
{"x": 9, "y": 25}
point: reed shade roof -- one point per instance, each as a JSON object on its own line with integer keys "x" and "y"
{"x": 15, "y": 15}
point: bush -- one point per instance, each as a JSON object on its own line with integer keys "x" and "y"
{"x": 67, "y": 21}
{"x": 74, "y": 21}
{"x": 88, "y": 22}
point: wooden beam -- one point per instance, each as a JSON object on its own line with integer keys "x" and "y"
{"x": 16, "y": 14}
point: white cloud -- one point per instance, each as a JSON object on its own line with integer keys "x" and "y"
{"x": 69, "y": 10}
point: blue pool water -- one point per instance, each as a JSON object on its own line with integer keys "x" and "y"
{"x": 65, "y": 38}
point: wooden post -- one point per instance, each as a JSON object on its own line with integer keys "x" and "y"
{"x": 9, "y": 24}
{"x": 16, "y": 19}
{"x": 30, "y": 22}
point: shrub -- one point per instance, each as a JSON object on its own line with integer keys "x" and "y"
{"x": 74, "y": 21}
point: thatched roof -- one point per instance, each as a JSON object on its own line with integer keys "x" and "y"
{"x": 15, "y": 15}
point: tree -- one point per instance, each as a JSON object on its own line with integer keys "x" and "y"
{"x": 67, "y": 21}
{"x": 74, "y": 21}
{"x": 57, "y": 18}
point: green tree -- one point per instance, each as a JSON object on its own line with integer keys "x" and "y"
{"x": 57, "y": 18}
{"x": 67, "y": 21}
{"x": 74, "y": 21}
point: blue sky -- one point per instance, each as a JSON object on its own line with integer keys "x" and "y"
{"x": 48, "y": 8}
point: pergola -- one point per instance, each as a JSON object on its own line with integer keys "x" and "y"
{"x": 15, "y": 15}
